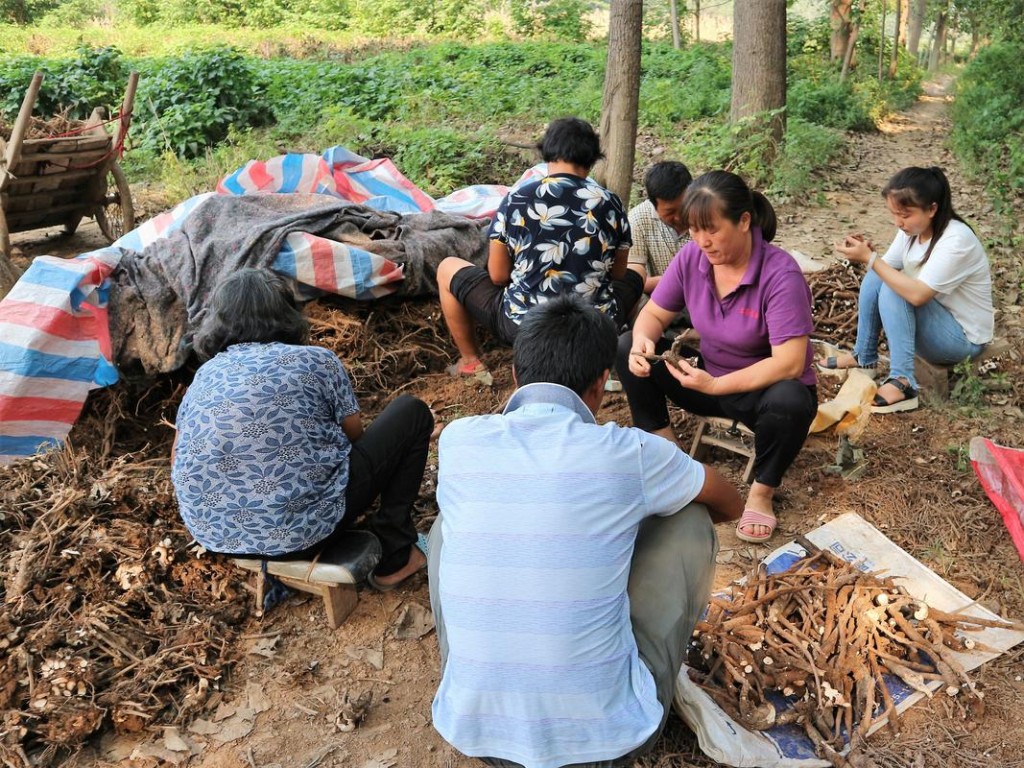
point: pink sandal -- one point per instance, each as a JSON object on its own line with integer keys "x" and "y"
{"x": 475, "y": 370}
{"x": 751, "y": 517}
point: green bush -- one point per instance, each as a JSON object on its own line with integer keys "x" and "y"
{"x": 747, "y": 148}
{"x": 988, "y": 118}
{"x": 688, "y": 84}
{"x": 830, "y": 103}
{"x": 441, "y": 160}
{"x": 94, "y": 77}
{"x": 562, "y": 20}
{"x": 189, "y": 102}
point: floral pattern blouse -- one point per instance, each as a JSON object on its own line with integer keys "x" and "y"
{"x": 562, "y": 232}
{"x": 261, "y": 464}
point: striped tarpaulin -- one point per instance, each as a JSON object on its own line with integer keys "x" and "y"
{"x": 54, "y": 336}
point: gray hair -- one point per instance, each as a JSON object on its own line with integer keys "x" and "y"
{"x": 250, "y": 305}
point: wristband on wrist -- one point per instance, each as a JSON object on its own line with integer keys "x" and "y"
{"x": 871, "y": 261}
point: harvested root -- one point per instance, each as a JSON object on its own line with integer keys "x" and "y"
{"x": 823, "y": 634}
{"x": 834, "y": 291}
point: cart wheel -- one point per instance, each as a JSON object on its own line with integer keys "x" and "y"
{"x": 117, "y": 214}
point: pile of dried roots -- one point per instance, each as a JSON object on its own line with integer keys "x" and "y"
{"x": 43, "y": 129}
{"x": 383, "y": 348}
{"x": 834, "y": 291}
{"x": 821, "y": 636}
{"x": 107, "y": 618}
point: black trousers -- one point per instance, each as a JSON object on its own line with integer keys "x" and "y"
{"x": 386, "y": 462}
{"x": 779, "y": 415}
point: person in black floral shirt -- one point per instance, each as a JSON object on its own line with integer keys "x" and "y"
{"x": 559, "y": 234}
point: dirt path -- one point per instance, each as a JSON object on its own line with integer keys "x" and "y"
{"x": 918, "y": 489}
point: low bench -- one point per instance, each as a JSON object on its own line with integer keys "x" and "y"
{"x": 732, "y": 436}
{"x": 933, "y": 380}
{"x": 332, "y": 575}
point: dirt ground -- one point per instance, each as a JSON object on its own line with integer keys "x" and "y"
{"x": 274, "y": 689}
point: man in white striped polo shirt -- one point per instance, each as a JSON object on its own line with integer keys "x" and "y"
{"x": 567, "y": 565}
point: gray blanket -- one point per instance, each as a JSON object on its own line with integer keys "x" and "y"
{"x": 159, "y": 296}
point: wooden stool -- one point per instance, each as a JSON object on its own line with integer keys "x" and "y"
{"x": 332, "y": 575}
{"x": 724, "y": 433}
{"x": 933, "y": 379}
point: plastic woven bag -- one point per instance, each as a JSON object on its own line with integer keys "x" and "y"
{"x": 1001, "y": 472}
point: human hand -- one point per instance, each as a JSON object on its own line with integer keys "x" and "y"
{"x": 855, "y": 248}
{"x": 690, "y": 376}
{"x": 639, "y": 365}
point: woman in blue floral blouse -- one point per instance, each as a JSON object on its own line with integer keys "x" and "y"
{"x": 559, "y": 234}
{"x": 271, "y": 458}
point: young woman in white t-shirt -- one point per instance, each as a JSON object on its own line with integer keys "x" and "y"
{"x": 931, "y": 292}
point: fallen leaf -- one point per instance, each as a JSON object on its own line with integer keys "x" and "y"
{"x": 233, "y": 728}
{"x": 174, "y": 742}
{"x": 372, "y": 656}
{"x": 413, "y": 622}
{"x": 383, "y": 760}
{"x": 203, "y": 727}
{"x": 258, "y": 699}
{"x": 265, "y": 647}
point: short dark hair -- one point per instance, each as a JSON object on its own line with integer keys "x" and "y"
{"x": 564, "y": 341}
{"x": 666, "y": 180}
{"x": 723, "y": 193}
{"x": 570, "y": 140}
{"x": 251, "y": 305}
{"x": 921, "y": 188}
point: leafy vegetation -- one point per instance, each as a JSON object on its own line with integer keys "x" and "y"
{"x": 94, "y": 77}
{"x": 187, "y": 103}
{"x": 436, "y": 106}
{"x": 988, "y": 120}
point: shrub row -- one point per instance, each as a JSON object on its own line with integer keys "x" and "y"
{"x": 988, "y": 119}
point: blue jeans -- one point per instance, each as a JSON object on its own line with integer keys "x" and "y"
{"x": 929, "y": 331}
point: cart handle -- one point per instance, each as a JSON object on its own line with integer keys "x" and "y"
{"x": 21, "y": 123}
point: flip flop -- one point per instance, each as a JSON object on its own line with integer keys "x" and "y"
{"x": 908, "y": 402}
{"x": 476, "y": 371}
{"x": 421, "y": 545}
{"x": 752, "y": 517}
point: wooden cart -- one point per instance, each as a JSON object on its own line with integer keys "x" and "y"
{"x": 59, "y": 180}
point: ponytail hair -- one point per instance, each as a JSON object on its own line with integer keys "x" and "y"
{"x": 922, "y": 188}
{"x": 725, "y": 194}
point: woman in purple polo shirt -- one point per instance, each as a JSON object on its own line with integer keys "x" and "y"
{"x": 752, "y": 308}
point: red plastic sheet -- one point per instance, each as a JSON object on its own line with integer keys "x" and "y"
{"x": 1001, "y": 472}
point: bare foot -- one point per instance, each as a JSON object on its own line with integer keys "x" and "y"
{"x": 416, "y": 561}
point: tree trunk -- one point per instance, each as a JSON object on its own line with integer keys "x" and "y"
{"x": 759, "y": 60}
{"x": 915, "y": 23}
{"x": 938, "y": 42}
{"x": 851, "y": 46}
{"x": 841, "y": 10}
{"x": 621, "y": 99}
{"x": 696, "y": 20}
{"x": 881, "y": 40}
{"x": 897, "y": 38}
{"x": 674, "y": 10}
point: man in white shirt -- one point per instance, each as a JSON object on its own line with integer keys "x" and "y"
{"x": 656, "y": 224}
{"x": 568, "y": 564}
